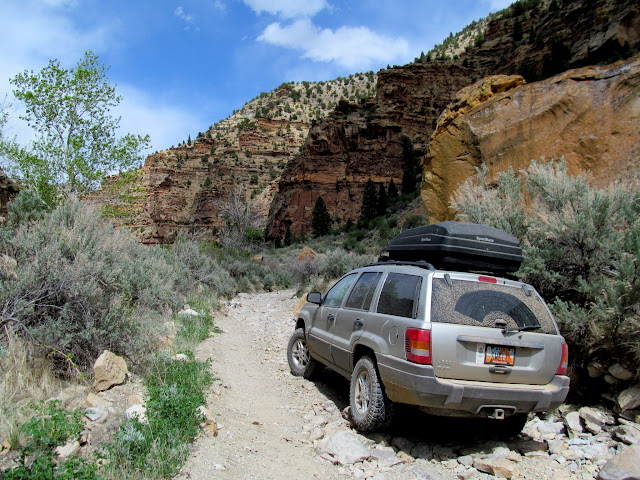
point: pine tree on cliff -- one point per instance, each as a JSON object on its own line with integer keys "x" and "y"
{"x": 369, "y": 209}
{"x": 383, "y": 201}
{"x": 321, "y": 221}
{"x": 287, "y": 236}
{"x": 392, "y": 193}
{"x": 410, "y": 167}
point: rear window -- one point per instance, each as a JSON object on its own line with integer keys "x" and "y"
{"x": 399, "y": 295}
{"x": 481, "y": 304}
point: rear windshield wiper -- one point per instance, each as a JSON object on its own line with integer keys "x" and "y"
{"x": 521, "y": 329}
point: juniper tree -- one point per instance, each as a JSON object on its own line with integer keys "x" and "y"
{"x": 369, "y": 209}
{"x": 321, "y": 220}
{"x": 383, "y": 201}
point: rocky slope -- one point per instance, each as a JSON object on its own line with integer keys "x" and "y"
{"x": 591, "y": 116}
{"x": 179, "y": 190}
{"x": 7, "y": 190}
{"x": 532, "y": 37}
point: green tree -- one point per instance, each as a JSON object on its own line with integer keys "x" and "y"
{"x": 321, "y": 221}
{"x": 392, "y": 192}
{"x": 287, "y": 236}
{"x": 76, "y": 143}
{"x": 410, "y": 167}
{"x": 383, "y": 201}
{"x": 369, "y": 208}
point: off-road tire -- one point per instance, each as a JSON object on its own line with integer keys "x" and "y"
{"x": 300, "y": 361}
{"x": 370, "y": 408}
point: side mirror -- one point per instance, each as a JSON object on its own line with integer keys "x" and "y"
{"x": 314, "y": 297}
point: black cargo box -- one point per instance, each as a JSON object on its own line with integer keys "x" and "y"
{"x": 460, "y": 246}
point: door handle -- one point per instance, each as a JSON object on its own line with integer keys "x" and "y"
{"x": 331, "y": 317}
{"x": 359, "y": 322}
{"x": 499, "y": 369}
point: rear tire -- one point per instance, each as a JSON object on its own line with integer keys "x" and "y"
{"x": 299, "y": 357}
{"x": 370, "y": 407}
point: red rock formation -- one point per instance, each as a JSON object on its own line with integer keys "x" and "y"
{"x": 591, "y": 116}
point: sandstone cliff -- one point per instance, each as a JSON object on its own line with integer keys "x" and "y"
{"x": 7, "y": 191}
{"x": 591, "y": 116}
{"x": 179, "y": 190}
{"x": 537, "y": 42}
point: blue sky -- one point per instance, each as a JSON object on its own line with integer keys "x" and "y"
{"x": 182, "y": 65}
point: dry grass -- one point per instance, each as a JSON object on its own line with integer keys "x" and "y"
{"x": 24, "y": 378}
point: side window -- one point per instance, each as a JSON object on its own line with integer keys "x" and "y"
{"x": 362, "y": 292}
{"x": 399, "y": 295}
{"x": 334, "y": 297}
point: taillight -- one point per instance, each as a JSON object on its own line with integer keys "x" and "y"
{"x": 482, "y": 278}
{"x": 564, "y": 360}
{"x": 417, "y": 344}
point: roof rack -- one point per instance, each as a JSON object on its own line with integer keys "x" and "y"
{"x": 419, "y": 263}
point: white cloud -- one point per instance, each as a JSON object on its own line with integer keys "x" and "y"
{"x": 287, "y": 8}
{"x": 185, "y": 17}
{"x": 220, "y": 5}
{"x": 348, "y": 47}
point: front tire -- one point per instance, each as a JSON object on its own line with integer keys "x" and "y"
{"x": 370, "y": 407}
{"x": 300, "y": 361}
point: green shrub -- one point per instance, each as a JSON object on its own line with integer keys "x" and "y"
{"x": 581, "y": 251}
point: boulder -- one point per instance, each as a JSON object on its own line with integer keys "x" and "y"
{"x": 624, "y": 466}
{"x": 572, "y": 421}
{"x": 138, "y": 412}
{"x": 499, "y": 467}
{"x": 68, "y": 449}
{"x": 109, "y": 370}
{"x": 307, "y": 254}
{"x": 629, "y": 398}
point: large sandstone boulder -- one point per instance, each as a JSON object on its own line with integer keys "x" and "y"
{"x": 591, "y": 116}
{"x": 109, "y": 370}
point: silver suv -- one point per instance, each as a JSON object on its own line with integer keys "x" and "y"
{"x": 452, "y": 343}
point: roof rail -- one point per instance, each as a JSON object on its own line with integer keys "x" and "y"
{"x": 419, "y": 263}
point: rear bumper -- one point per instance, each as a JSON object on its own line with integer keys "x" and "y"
{"x": 415, "y": 384}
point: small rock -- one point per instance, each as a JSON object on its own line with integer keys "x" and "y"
{"x": 624, "y": 466}
{"x": 466, "y": 460}
{"x": 138, "y": 412}
{"x": 109, "y": 370}
{"x": 550, "y": 429}
{"x": 571, "y": 454}
{"x": 189, "y": 312}
{"x": 402, "y": 444}
{"x": 557, "y": 446}
{"x": 133, "y": 399}
{"x": 96, "y": 414}
{"x": 316, "y": 434}
{"x": 443, "y": 453}
{"x": 343, "y": 448}
{"x": 346, "y": 413}
{"x": 628, "y": 434}
{"x": 181, "y": 357}
{"x": 610, "y": 379}
{"x": 526, "y": 446}
{"x": 595, "y": 370}
{"x": 596, "y": 452}
{"x": 496, "y": 466}
{"x": 392, "y": 461}
{"x": 94, "y": 400}
{"x": 467, "y": 474}
{"x": 629, "y": 398}
{"x": 422, "y": 451}
{"x": 620, "y": 372}
{"x": 405, "y": 457}
{"x": 572, "y": 421}
{"x": 70, "y": 448}
{"x": 597, "y": 416}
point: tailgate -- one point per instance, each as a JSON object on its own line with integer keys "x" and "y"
{"x": 493, "y": 332}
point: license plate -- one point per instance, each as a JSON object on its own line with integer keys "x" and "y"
{"x": 499, "y": 355}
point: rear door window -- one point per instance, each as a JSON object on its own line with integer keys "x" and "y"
{"x": 362, "y": 293}
{"x": 480, "y": 304}
{"x": 399, "y": 295}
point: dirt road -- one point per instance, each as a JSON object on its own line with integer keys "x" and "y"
{"x": 273, "y": 425}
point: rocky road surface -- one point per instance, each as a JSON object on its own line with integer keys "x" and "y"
{"x": 272, "y": 425}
